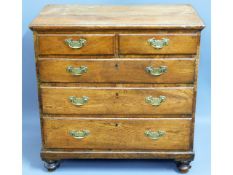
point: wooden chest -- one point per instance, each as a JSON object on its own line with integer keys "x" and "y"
{"x": 117, "y": 81}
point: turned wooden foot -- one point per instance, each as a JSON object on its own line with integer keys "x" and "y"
{"x": 183, "y": 166}
{"x": 51, "y": 165}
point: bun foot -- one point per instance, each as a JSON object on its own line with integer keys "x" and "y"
{"x": 183, "y": 166}
{"x": 51, "y": 165}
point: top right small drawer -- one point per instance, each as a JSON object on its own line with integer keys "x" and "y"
{"x": 158, "y": 43}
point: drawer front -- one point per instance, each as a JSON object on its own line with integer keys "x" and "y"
{"x": 158, "y": 43}
{"x": 86, "y": 44}
{"x": 88, "y": 100}
{"x": 160, "y": 134}
{"x": 117, "y": 70}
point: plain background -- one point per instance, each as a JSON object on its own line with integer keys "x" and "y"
{"x": 31, "y": 129}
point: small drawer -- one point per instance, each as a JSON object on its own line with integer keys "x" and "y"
{"x": 116, "y": 100}
{"x": 119, "y": 134}
{"x": 180, "y": 70}
{"x": 85, "y": 44}
{"x": 158, "y": 43}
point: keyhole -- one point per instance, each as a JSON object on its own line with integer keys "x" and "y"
{"x": 116, "y": 65}
{"x": 117, "y": 95}
{"x": 116, "y": 124}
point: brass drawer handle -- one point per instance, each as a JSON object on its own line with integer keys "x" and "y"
{"x": 78, "y": 44}
{"x": 158, "y": 44}
{"x": 77, "y": 70}
{"x": 155, "y": 101}
{"x": 157, "y": 70}
{"x": 78, "y": 101}
{"x": 154, "y": 135}
{"x": 79, "y": 134}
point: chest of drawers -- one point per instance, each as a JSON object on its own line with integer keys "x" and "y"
{"x": 117, "y": 82}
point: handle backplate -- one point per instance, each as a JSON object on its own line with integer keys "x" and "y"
{"x": 78, "y": 101}
{"x": 154, "y": 135}
{"x": 79, "y": 134}
{"x": 76, "y": 44}
{"x": 77, "y": 70}
{"x": 157, "y": 70}
{"x": 158, "y": 44}
{"x": 155, "y": 101}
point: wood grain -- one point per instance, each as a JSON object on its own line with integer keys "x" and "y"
{"x": 117, "y": 70}
{"x": 54, "y": 17}
{"x": 116, "y": 83}
{"x": 138, "y": 44}
{"x": 117, "y": 133}
{"x": 96, "y": 44}
{"x": 57, "y": 154}
{"x": 116, "y": 100}
{"x": 118, "y": 116}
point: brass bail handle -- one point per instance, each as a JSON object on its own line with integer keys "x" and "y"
{"x": 156, "y": 71}
{"x": 76, "y": 44}
{"x": 158, "y": 44}
{"x": 77, "y": 71}
{"x": 78, "y": 101}
{"x": 154, "y": 135}
{"x": 155, "y": 101}
{"x": 79, "y": 134}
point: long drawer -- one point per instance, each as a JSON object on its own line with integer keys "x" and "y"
{"x": 119, "y": 100}
{"x": 76, "y": 44}
{"x": 173, "y": 70}
{"x": 129, "y": 133}
{"x": 158, "y": 43}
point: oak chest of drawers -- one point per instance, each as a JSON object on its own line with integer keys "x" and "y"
{"x": 117, "y": 81}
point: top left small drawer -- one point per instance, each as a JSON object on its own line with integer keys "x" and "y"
{"x": 76, "y": 44}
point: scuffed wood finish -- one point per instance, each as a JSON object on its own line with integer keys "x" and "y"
{"x": 117, "y": 85}
{"x": 117, "y": 133}
{"x": 64, "y": 17}
{"x": 118, "y": 116}
{"x": 117, "y": 70}
{"x": 116, "y": 54}
{"x": 57, "y": 154}
{"x": 116, "y": 100}
{"x": 96, "y": 44}
{"x": 138, "y": 44}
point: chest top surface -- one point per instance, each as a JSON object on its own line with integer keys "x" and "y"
{"x": 117, "y": 17}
